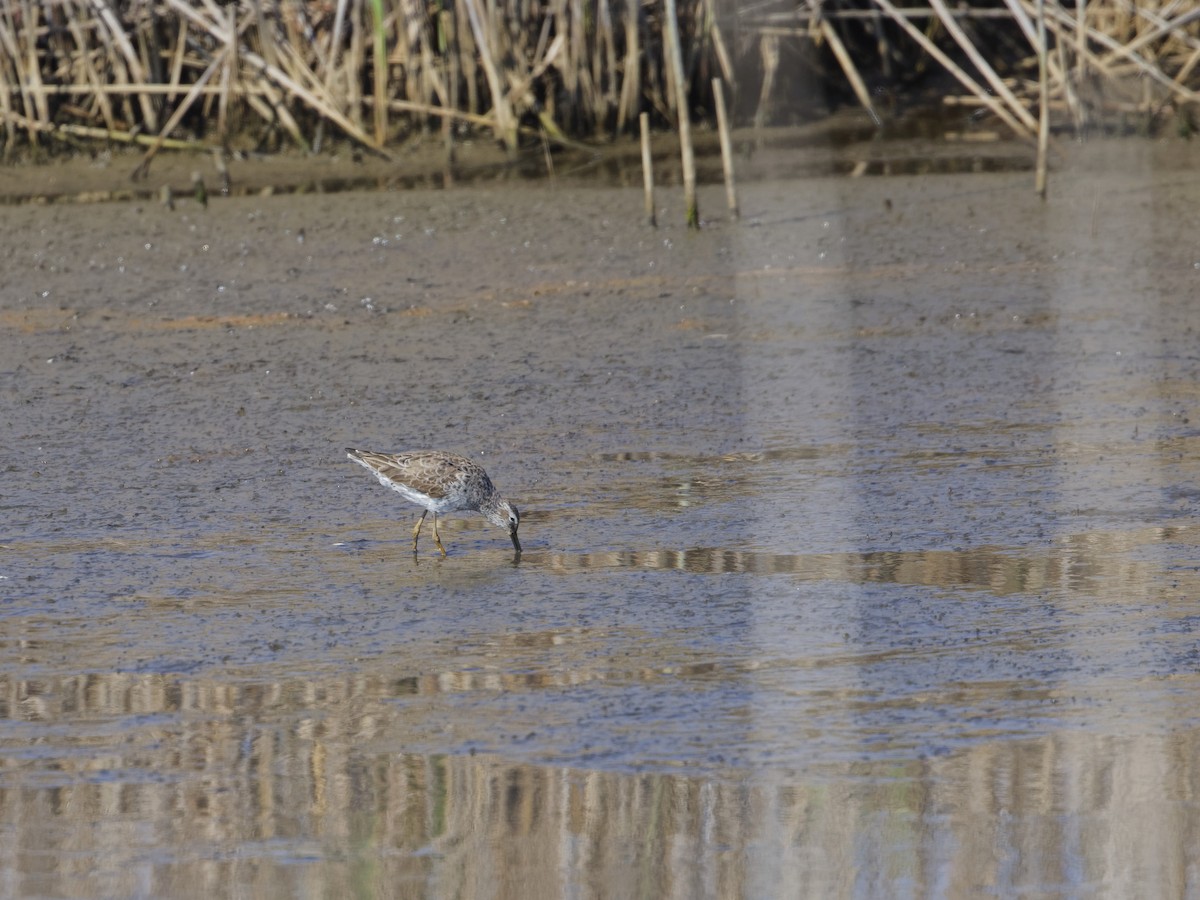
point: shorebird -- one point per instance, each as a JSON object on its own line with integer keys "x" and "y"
{"x": 441, "y": 482}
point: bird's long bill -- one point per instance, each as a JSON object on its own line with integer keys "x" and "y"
{"x": 513, "y": 534}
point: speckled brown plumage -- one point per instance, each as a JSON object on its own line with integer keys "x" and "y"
{"x": 440, "y": 482}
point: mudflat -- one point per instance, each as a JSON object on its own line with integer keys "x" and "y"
{"x": 865, "y": 521}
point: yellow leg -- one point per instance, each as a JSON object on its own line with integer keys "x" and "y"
{"x": 417, "y": 530}
{"x": 436, "y": 537}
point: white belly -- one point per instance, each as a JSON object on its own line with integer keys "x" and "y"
{"x": 438, "y": 506}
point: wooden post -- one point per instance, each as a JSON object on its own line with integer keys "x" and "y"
{"x": 688, "y": 159}
{"x": 726, "y": 147}
{"x": 647, "y": 169}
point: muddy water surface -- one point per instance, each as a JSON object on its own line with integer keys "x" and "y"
{"x": 860, "y": 542}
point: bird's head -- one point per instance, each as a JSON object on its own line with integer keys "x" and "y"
{"x": 512, "y": 524}
{"x": 506, "y": 516}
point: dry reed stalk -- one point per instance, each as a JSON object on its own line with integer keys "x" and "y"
{"x": 228, "y": 73}
{"x": 292, "y": 64}
{"x": 380, "y": 68}
{"x": 6, "y": 118}
{"x": 266, "y": 39}
{"x": 726, "y": 147}
{"x": 435, "y": 111}
{"x": 95, "y": 84}
{"x": 521, "y": 86}
{"x": 1080, "y": 42}
{"x": 151, "y": 65}
{"x": 849, "y": 70}
{"x": 883, "y": 46}
{"x": 1162, "y": 28}
{"x": 448, "y": 35}
{"x": 9, "y": 43}
{"x": 768, "y": 49}
{"x": 322, "y": 105}
{"x": 587, "y": 64}
{"x": 948, "y": 64}
{"x": 1028, "y": 28}
{"x": 262, "y": 89}
{"x": 113, "y": 31}
{"x": 284, "y": 54}
{"x": 1062, "y": 75}
{"x": 6, "y": 92}
{"x": 467, "y": 57}
{"x": 724, "y": 60}
{"x": 647, "y": 170}
{"x": 1186, "y": 69}
{"x": 1043, "y": 101}
{"x": 564, "y": 16}
{"x": 630, "y": 68}
{"x": 32, "y": 65}
{"x": 688, "y": 159}
{"x": 547, "y": 158}
{"x": 577, "y": 56}
{"x": 406, "y": 55}
{"x": 104, "y": 134}
{"x": 1058, "y": 21}
{"x": 505, "y": 123}
{"x": 433, "y": 85}
{"x": 657, "y": 92}
{"x": 177, "y": 61}
{"x": 1058, "y": 72}
{"x": 112, "y": 66}
{"x": 981, "y": 65}
{"x": 354, "y": 61}
{"x": 330, "y": 63}
{"x": 143, "y": 167}
{"x": 274, "y": 97}
{"x": 604, "y": 66}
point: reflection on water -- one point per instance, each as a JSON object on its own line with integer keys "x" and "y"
{"x": 836, "y": 764}
{"x": 787, "y": 454}
{"x": 763, "y": 154}
{"x": 172, "y": 787}
{"x": 1099, "y": 563}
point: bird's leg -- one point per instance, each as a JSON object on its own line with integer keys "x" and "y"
{"x": 417, "y": 530}
{"x": 436, "y": 538}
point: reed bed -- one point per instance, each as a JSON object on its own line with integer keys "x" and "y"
{"x": 263, "y": 74}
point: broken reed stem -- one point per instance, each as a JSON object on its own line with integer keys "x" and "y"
{"x": 726, "y": 147}
{"x": 647, "y": 169}
{"x": 981, "y": 65}
{"x": 848, "y": 68}
{"x": 144, "y": 166}
{"x": 105, "y": 134}
{"x": 948, "y": 64}
{"x": 724, "y": 60}
{"x": 1057, "y": 21}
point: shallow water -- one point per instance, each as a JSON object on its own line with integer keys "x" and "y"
{"x": 860, "y": 545}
